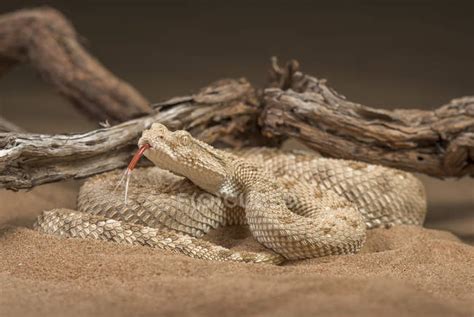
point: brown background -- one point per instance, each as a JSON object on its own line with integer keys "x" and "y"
{"x": 380, "y": 53}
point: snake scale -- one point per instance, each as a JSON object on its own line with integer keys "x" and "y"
{"x": 296, "y": 204}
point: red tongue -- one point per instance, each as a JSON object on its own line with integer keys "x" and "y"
{"x": 138, "y": 156}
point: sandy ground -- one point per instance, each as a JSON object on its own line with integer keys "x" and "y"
{"x": 401, "y": 271}
{"x": 374, "y": 57}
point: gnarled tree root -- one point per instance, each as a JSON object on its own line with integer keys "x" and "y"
{"x": 224, "y": 113}
{"x": 439, "y": 143}
{"x": 46, "y": 40}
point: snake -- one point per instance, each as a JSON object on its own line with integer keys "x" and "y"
{"x": 296, "y": 204}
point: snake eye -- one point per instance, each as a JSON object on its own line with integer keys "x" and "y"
{"x": 158, "y": 128}
{"x": 184, "y": 137}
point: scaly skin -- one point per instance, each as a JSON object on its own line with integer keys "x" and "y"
{"x": 296, "y": 204}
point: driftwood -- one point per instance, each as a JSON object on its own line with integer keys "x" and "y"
{"x": 438, "y": 143}
{"x": 46, "y": 40}
{"x": 225, "y": 113}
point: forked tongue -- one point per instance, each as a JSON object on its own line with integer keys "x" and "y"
{"x": 131, "y": 166}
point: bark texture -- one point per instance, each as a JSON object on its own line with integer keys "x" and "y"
{"x": 46, "y": 40}
{"x": 224, "y": 113}
{"x": 438, "y": 143}
{"x": 227, "y": 113}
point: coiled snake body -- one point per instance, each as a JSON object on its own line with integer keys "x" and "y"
{"x": 296, "y": 204}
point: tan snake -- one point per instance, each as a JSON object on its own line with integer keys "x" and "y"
{"x": 296, "y": 204}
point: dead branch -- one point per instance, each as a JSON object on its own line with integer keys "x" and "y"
{"x": 438, "y": 143}
{"x": 224, "y": 113}
{"x": 46, "y": 40}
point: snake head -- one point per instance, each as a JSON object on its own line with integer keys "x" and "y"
{"x": 181, "y": 153}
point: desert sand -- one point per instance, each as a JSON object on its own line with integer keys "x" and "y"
{"x": 403, "y": 271}
{"x": 164, "y": 51}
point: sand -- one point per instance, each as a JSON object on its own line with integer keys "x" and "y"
{"x": 401, "y": 271}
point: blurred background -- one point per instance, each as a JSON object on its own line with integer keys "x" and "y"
{"x": 380, "y": 53}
